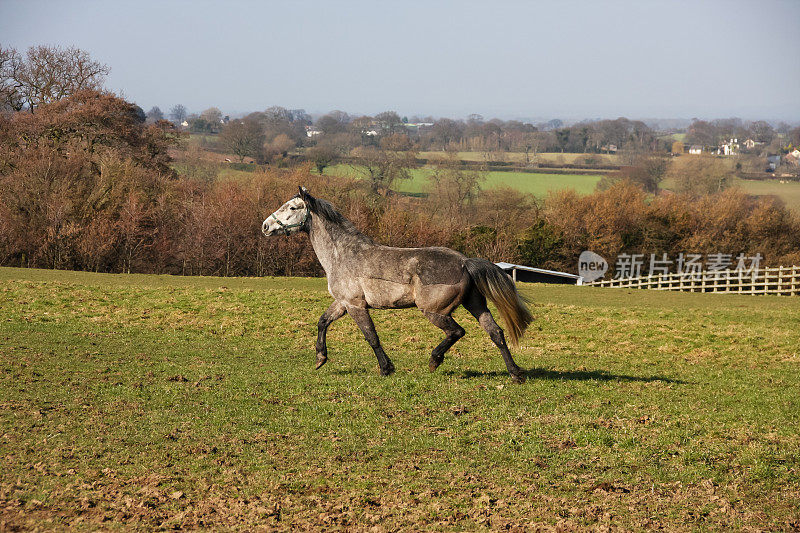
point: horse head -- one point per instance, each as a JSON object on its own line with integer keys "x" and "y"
{"x": 291, "y": 217}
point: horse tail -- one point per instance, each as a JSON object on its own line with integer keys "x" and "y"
{"x": 494, "y": 284}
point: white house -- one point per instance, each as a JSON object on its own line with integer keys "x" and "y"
{"x": 695, "y": 149}
{"x": 750, "y": 144}
{"x": 311, "y": 131}
{"x": 730, "y": 147}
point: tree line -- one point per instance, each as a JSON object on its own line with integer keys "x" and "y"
{"x": 86, "y": 183}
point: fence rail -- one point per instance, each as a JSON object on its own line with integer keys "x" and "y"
{"x": 781, "y": 281}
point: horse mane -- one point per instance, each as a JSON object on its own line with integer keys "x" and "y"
{"x": 325, "y": 209}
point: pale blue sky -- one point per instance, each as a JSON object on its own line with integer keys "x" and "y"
{"x": 511, "y": 59}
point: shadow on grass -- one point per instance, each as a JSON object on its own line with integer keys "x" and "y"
{"x": 558, "y": 375}
{"x": 534, "y": 373}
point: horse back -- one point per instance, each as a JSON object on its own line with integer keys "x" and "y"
{"x": 433, "y": 279}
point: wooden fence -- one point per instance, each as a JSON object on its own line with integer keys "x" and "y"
{"x": 781, "y": 281}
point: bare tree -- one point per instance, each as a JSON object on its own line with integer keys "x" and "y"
{"x": 453, "y": 190}
{"x": 48, "y": 73}
{"x": 322, "y": 154}
{"x": 389, "y": 122}
{"x": 446, "y": 131}
{"x": 154, "y": 115}
{"x": 397, "y": 142}
{"x": 333, "y": 122}
{"x": 761, "y": 131}
{"x": 213, "y": 116}
{"x": 383, "y": 167}
{"x": 699, "y": 176}
{"x": 648, "y": 171}
{"x": 244, "y": 138}
{"x": 178, "y": 114}
{"x": 11, "y": 64}
{"x": 281, "y": 144}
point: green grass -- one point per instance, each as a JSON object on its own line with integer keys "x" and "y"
{"x": 147, "y": 402}
{"x": 519, "y": 157}
{"x": 537, "y": 184}
{"x": 789, "y": 191}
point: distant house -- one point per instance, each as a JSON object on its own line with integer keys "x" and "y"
{"x": 750, "y": 143}
{"x": 773, "y": 161}
{"x": 730, "y": 147}
{"x": 609, "y": 148}
{"x": 185, "y": 124}
{"x": 312, "y": 131}
{"x": 695, "y": 149}
{"x": 418, "y": 126}
{"x": 792, "y": 158}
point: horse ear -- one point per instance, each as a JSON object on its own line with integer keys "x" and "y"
{"x": 306, "y": 196}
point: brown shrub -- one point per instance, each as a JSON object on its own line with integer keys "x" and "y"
{"x": 85, "y": 185}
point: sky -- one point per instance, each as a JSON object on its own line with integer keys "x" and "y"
{"x": 567, "y": 59}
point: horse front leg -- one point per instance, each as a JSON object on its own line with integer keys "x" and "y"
{"x": 334, "y": 312}
{"x": 364, "y": 321}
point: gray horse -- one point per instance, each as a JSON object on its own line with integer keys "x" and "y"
{"x": 363, "y": 275}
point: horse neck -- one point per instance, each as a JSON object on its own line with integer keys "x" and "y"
{"x": 335, "y": 243}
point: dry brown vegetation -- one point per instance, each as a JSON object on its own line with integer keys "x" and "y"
{"x": 85, "y": 184}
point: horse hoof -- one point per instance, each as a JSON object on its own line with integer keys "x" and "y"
{"x": 321, "y": 361}
{"x": 388, "y": 371}
{"x": 518, "y": 378}
{"x": 433, "y": 365}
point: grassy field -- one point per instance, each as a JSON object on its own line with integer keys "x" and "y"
{"x": 155, "y": 402}
{"x": 789, "y": 191}
{"x": 537, "y": 184}
{"x": 540, "y": 184}
{"x": 519, "y": 157}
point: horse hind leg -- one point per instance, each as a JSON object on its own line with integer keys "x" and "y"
{"x": 451, "y": 329}
{"x": 476, "y": 305}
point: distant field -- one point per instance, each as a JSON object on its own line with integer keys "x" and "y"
{"x": 540, "y": 184}
{"x": 789, "y": 191}
{"x": 519, "y": 157}
{"x": 537, "y": 184}
{"x": 133, "y": 402}
{"x": 676, "y": 137}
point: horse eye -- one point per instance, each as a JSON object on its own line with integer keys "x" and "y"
{"x": 294, "y": 208}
